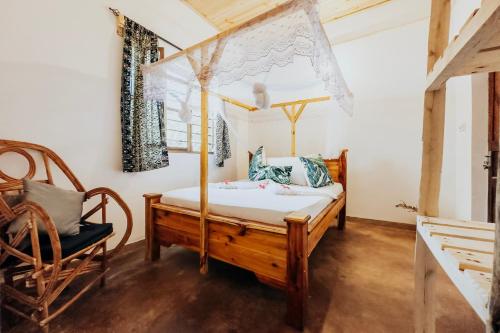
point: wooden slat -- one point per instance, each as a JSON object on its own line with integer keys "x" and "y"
{"x": 301, "y": 101}
{"x": 472, "y": 260}
{"x": 459, "y": 265}
{"x": 448, "y": 242}
{"x": 481, "y": 235}
{"x": 459, "y": 224}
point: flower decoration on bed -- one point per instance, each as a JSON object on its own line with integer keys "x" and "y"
{"x": 317, "y": 174}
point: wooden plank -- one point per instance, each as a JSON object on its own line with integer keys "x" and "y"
{"x": 204, "y": 174}
{"x": 434, "y": 109}
{"x": 280, "y": 229}
{"x": 301, "y": 101}
{"x": 472, "y": 260}
{"x": 224, "y": 14}
{"x": 321, "y": 226}
{"x": 448, "y": 242}
{"x": 425, "y": 286}
{"x": 152, "y": 246}
{"x": 474, "y": 38}
{"x": 481, "y": 235}
{"x": 458, "y": 223}
{"x": 297, "y": 274}
{"x": 261, "y": 252}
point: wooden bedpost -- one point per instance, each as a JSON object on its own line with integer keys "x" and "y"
{"x": 434, "y": 110}
{"x": 343, "y": 180}
{"x": 297, "y": 269}
{"x": 152, "y": 246}
{"x": 204, "y": 183}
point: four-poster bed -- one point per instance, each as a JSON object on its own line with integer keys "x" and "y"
{"x": 278, "y": 254}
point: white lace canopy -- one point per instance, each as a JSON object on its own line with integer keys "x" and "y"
{"x": 274, "y": 40}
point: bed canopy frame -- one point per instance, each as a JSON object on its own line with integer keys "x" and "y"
{"x": 298, "y": 22}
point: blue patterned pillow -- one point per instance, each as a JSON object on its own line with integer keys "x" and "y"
{"x": 279, "y": 174}
{"x": 317, "y": 174}
{"x": 256, "y": 164}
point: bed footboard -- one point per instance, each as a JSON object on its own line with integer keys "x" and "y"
{"x": 277, "y": 255}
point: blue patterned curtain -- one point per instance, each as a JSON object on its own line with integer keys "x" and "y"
{"x": 144, "y": 145}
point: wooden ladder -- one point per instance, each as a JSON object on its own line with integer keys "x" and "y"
{"x": 463, "y": 249}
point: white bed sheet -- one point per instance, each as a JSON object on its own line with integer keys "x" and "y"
{"x": 256, "y": 204}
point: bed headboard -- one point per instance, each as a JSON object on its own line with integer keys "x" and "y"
{"x": 336, "y": 166}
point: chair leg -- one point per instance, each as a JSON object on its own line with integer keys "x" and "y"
{"x": 104, "y": 265}
{"x": 44, "y": 313}
{"x": 45, "y": 328}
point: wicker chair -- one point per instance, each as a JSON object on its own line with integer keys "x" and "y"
{"x": 35, "y": 275}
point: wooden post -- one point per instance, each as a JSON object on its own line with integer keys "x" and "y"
{"x": 297, "y": 269}
{"x": 152, "y": 246}
{"x": 204, "y": 182}
{"x": 104, "y": 248}
{"x": 341, "y": 217}
{"x": 293, "y": 115}
{"x": 434, "y": 109}
{"x": 425, "y": 285}
{"x": 494, "y": 324}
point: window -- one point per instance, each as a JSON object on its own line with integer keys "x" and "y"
{"x": 187, "y": 137}
{"x": 182, "y": 136}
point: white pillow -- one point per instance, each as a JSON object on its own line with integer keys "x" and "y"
{"x": 298, "y": 176}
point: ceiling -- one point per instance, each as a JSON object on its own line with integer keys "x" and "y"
{"x": 224, "y": 14}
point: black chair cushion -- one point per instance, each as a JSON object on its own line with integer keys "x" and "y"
{"x": 90, "y": 233}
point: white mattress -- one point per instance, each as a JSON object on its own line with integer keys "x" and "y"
{"x": 250, "y": 202}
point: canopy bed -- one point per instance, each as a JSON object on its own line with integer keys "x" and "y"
{"x": 276, "y": 247}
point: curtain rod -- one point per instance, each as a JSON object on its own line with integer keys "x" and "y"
{"x": 116, "y": 12}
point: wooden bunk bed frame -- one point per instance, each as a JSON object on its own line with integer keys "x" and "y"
{"x": 278, "y": 255}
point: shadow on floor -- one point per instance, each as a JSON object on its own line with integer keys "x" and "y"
{"x": 361, "y": 280}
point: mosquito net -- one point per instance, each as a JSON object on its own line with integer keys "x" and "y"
{"x": 284, "y": 51}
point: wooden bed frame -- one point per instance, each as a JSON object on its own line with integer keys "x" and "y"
{"x": 278, "y": 255}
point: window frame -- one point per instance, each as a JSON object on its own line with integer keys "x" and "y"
{"x": 189, "y": 139}
{"x": 189, "y": 130}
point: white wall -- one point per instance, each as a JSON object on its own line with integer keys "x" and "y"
{"x": 386, "y": 72}
{"x": 465, "y": 197}
{"x": 479, "y": 147}
{"x": 60, "y": 65}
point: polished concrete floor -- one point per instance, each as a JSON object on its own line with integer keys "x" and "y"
{"x": 361, "y": 280}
